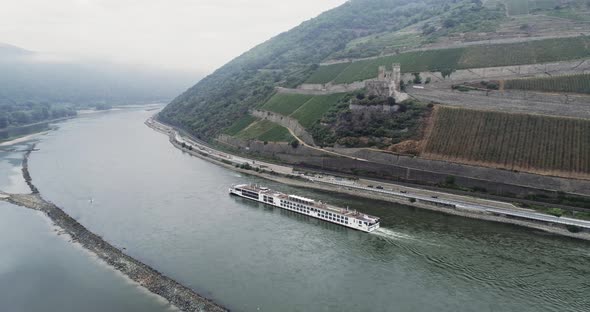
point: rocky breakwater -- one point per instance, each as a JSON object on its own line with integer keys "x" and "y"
{"x": 184, "y": 298}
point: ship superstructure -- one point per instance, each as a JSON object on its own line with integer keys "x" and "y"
{"x": 342, "y": 216}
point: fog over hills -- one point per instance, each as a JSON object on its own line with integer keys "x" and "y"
{"x": 27, "y": 76}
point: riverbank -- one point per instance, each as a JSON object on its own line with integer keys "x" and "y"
{"x": 280, "y": 174}
{"x": 82, "y": 112}
{"x": 183, "y": 298}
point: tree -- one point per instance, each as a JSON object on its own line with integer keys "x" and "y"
{"x": 428, "y": 30}
{"x": 447, "y": 72}
{"x": 449, "y": 23}
{"x": 417, "y": 78}
{"x": 294, "y": 144}
{"x": 21, "y": 117}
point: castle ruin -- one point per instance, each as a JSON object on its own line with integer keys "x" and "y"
{"x": 387, "y": 84}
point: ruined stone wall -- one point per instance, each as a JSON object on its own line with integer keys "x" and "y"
{"x": 374, "y": 108}
{"x": 328, "y": 88}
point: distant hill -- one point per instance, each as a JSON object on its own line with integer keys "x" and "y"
{"x": 36, "y": 87}
{"x": 288, "y": 60}
{"x": 27, "y": 76}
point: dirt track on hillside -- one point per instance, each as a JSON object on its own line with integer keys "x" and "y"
{"x": 510, "y": 102}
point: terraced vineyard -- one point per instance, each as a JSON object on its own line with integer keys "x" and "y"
{"x": 264, "y": 130}
{"x": 571, "y": 83}
{"x": 460, "y": 58}
{"x": 533, "y": 143}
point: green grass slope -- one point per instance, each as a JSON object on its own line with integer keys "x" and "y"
{"x": 315, "y": 108}
{"x": 306, "y": 109}
{"x": 264, "y": 130}
{"x": 240, "y": 125}
{"x": 285, "y": 104}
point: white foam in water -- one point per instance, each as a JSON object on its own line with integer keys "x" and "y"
{"x": 389, "y": 234}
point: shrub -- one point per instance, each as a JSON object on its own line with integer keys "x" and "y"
{"x": 417, "y": 78}
{"x": 573, "y": 228}
{"x": 555, "y": 212}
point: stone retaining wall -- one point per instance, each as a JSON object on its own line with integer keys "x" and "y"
{"x": 329, "y": 88}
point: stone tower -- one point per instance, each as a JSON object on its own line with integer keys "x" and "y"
{"x": 396, "y": 75}
{"x": 387, "y": 83}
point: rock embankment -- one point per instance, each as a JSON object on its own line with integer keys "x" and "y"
{"x": 178, "y": 295}
{"x": 26, "y": 174}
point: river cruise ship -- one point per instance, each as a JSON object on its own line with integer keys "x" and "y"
{"x": 345, "y": 217}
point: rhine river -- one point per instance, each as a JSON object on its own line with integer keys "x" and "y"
{"x": 126, "y": 183}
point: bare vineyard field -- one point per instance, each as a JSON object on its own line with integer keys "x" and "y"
{"x": 570, "y": 83}
{"x": 532, "y": 143}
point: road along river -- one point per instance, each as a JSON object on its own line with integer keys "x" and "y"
{"x": 126, "y": 183}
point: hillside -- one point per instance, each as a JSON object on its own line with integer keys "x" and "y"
{"x": 509, "y": 58}
{"x": 382, "y": 26}
{"x": 288, "y": 60}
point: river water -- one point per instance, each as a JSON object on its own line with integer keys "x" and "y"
{"x": 41, "y": 271}
{"x": 126, "y": 183}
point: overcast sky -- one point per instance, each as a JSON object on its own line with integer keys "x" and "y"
{"x": 191, "y": 35}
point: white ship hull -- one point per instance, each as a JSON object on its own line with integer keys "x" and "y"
{"x": 308, "y": 207}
